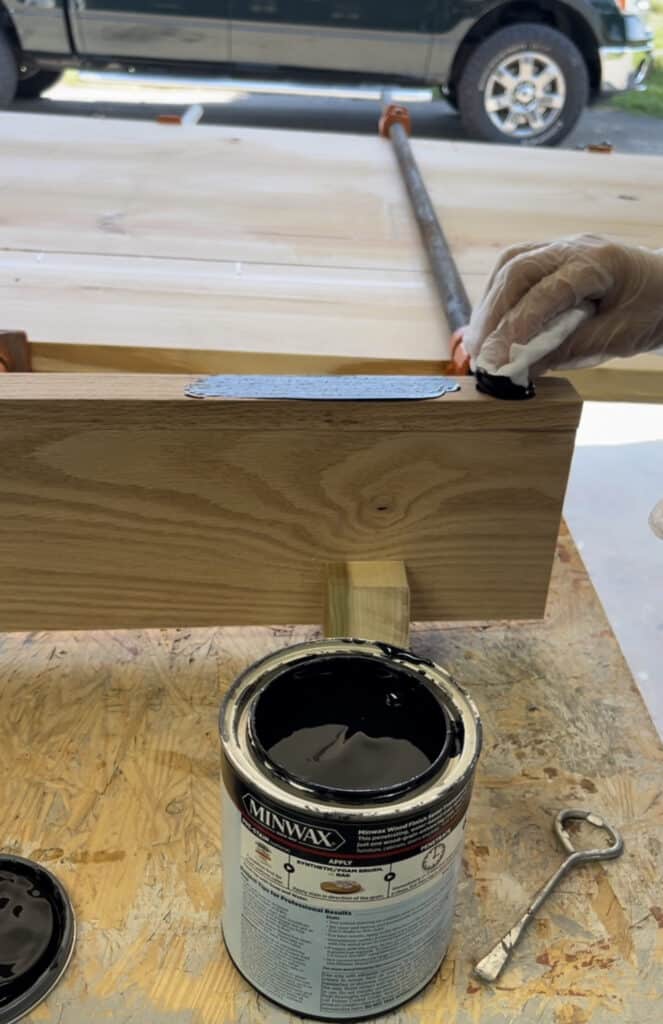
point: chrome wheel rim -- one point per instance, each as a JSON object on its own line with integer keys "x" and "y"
{"x": 524, "y": 94}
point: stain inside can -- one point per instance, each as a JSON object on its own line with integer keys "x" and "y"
{"x": 347, "y": 725}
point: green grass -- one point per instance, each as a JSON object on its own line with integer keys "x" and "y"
{"x": 651, "y": 101}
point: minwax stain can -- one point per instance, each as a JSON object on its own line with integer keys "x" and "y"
{"x": 347, "y": 774}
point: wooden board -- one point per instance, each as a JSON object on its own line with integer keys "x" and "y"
{"x": 109, "y": 775}
{"x": 369, "y": 600}
{"x": 125, "y": 503}
{"x": 212, "y": 249}
{"x": 621, "y": 380}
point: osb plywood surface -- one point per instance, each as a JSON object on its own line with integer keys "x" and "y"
{"x": 109, "y": 774}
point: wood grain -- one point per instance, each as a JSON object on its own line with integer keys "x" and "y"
{"x": 144, "y": 313}
{"x": 369, "y": 601}
{"x": 261, "y": 246}
{"x": 125, "y": 503}
{"x": 109, "y": 775}
{"x": 639, "y": 379}
{"x": 299, "y": 198}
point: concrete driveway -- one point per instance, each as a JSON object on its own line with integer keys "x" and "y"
{"x": 308, "y": 108}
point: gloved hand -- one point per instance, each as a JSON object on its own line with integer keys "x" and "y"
{"x": 574, "y": 302}
{"x": 656, "y": 519}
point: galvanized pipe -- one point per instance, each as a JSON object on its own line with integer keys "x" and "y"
{"x": 448, "y": 281}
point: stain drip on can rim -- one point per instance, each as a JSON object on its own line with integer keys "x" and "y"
{"x": 347, "y": 770}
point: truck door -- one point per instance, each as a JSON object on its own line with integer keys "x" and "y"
{"x": 186, "y": 30}
{"x": 390, "y": 37}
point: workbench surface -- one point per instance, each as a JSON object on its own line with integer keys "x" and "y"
{"x": 109, "y": 775}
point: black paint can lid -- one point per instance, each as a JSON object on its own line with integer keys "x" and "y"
{"x": 352, "y": 727}
{"x": 37, "y": 935}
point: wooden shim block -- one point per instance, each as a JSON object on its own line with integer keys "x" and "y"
{"x": 368, "y": 600}
{"x": 124, "y": 503}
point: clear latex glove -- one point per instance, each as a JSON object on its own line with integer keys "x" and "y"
{"x": 656, "y": 519}
{"x": 574, "y": 302}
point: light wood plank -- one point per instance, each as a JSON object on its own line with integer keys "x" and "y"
{"x": 300, "y": 198}
{"x": 275, "y": 244}
{"x": 639, "y": 379}
{"x": 174, "y": 315}
{"x": 556, "y": 408}
{"x": 369, "y": 601}
{"x": 126, "y": 503}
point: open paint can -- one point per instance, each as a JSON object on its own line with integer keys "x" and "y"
{"x": 347, "y": 774}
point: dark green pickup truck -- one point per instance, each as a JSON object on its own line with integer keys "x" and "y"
{"x": 518, "y": 71}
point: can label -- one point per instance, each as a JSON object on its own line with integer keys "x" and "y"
{"x": 334, "y": 920}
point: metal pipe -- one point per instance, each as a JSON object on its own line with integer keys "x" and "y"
{"x": 448, "y": 281}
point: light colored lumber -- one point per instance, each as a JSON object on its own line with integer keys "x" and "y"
{"x": 639, "y": 379}
{"x": 276, "y": 251}
{"x": 188, "y": 316}
{"x": 67, "y": 358}
{"x": 369, "y": 601}
{"x": 109, "y": 775}
{"x": 558, "y": 410}
{"x": 125, "y": 503}
{"x": 299, "y": 198}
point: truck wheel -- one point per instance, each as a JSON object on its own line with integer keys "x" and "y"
{"x": 525, "y": 85}
{"x": 451, "y": 97}
{"x": 32, "y": 87}
{"x": 8, "y": 72}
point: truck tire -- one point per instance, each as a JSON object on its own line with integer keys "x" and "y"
{"x": 32, "y": 87}
{"x": 451, "y": 98}
{"x": 525, "y": 85}
{"x": 8, "y": 72}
